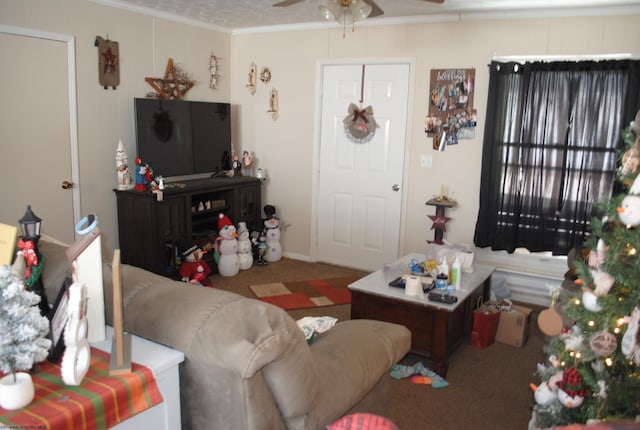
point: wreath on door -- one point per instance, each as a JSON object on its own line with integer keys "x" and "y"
{"x": 360, "y": 125}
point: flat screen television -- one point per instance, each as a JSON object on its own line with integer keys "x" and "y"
{"x": 181, "y": 139}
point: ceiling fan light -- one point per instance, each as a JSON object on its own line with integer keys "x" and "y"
{"x": 360, "y": 10}
{"x": 326, "y": 12}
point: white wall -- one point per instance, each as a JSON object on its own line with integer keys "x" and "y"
{"x": 105, "y": 116}
{"x": 285, "y": 147}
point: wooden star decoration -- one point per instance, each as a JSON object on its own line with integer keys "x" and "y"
{"x": 110, "y": 61}
{"x": 439, "y": 222}
{"x": 172, "y": 86}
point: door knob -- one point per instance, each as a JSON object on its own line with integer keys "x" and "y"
{"x": 66, "y": 185}
{"x": 395, "y": 187}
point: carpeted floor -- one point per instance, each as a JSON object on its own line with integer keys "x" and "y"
{"x": 289, "y": 270}
{"x": 488, "y": 389}
{"x": 310, "y": 293}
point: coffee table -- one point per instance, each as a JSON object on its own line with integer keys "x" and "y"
{"x": 436, "y": 328}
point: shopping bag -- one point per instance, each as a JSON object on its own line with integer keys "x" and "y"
{"x": 485, "y": 325}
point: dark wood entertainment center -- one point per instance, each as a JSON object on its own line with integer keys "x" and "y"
{"x": 153, "y": 231}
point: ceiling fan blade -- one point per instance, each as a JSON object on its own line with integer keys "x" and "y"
{"x": 375, "y": 9}
{"x": 286, "y": 3}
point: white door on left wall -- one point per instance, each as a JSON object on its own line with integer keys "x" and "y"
{"x": 34, "y": 134}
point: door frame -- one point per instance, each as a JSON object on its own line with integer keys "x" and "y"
{"x": 70, "y": 42}
{"x": 320, "y": 65}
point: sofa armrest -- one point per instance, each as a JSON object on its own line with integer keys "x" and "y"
{"x": 354, "y": 355}
{"x": 241, "y": 343}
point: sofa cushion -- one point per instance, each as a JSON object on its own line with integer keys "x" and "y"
{"x": 352, "y": 356}
{"x": 56, "y": 267}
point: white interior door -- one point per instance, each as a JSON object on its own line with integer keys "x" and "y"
{"x": 360, "y": 184}
{"x": 35, "y": 133}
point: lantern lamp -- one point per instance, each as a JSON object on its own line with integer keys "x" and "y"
{"x": 30, "y": 231}
{"x": 30, "y": 225}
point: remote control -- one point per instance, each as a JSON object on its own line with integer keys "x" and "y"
{"x": 442, "y": 298}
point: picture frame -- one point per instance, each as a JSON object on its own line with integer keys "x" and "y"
{"x": 58, "y": 320}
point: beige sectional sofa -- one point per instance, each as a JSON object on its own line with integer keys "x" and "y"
{"x": 247, "y": 364}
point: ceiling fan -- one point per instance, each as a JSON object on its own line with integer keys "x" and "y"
{"x": 375, "y": 9}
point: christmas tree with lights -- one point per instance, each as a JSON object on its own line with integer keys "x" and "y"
{"x": 593, "y": 368}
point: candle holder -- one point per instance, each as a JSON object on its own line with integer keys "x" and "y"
{"x": 441, "y": 203}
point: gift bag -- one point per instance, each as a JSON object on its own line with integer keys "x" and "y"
{"x": 485, "y": 324}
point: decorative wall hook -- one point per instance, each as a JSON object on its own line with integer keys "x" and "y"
{"x": 273, "y": 104}
{"x": 213, "y": 71}
{"x": 253, "y": 75}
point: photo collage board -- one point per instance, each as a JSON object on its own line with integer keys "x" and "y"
{"x": 451, "y": 114}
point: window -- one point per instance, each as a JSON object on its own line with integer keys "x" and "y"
{"x": 550, "y": 153}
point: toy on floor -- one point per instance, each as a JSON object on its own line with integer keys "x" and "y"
{"x": 227, "y": 247}
{"x": 272, "y": 233}
{"x": 421, "y": 380}
{"x": 399, "y": 371}
{"x": 261, "y": 248}
{"x": 193, "y": 268}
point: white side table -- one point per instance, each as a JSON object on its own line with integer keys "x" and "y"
{"x": 163, "y": 362}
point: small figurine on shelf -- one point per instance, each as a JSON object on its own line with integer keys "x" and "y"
{"x": 125, "y": 180}
{"x": 144, "y": 175}
{"x": 247, "y": 163}
{"x": 194, "y": 269}
{"x": 236, "y": 165}
{"x": 260, "y": 175}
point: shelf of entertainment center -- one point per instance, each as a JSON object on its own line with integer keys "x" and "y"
{"x": 210, "y": 222}
{"x": 153, "y": 230}
{"x": 209, "y": 213}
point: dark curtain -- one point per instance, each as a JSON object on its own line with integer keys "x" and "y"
{"x": 550, "y": 152}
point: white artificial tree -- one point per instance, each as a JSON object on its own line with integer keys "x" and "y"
{"x": 23, "y": 329}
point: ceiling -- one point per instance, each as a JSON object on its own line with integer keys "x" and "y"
{"x": 260, "y": 15}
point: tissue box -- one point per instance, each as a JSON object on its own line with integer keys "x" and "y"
{"x": 513, "y": 327}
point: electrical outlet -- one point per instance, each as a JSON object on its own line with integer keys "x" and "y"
{"x": 426, "y": 160}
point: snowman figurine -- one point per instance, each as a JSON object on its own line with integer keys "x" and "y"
{"x": 272, "y": 234}
{"x": 629, "y": 210}
{"x": 227, "y": 247}
{"x": 245, "y": 256}
{"x": 543, "y": 394}
{"x": 194, "y": 269}
{"x": 571, "y": 392}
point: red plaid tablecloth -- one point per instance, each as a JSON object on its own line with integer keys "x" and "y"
{"x": 99, "y": 402}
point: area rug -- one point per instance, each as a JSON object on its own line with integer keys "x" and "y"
{"x": 306, "y": 294}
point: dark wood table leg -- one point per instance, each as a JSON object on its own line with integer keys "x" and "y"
{"x": 440, "y": 344}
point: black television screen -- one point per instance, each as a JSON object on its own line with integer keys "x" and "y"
{"x": 183, "y": 138}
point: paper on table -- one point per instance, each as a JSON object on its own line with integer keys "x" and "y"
{"x": 413, "y": 287}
